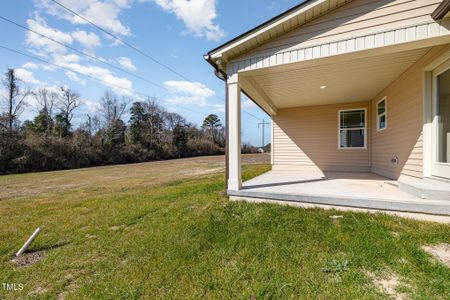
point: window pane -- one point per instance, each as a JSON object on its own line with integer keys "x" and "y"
{"x": 352, "y": 138}
{"x": 352, "y": 119}
{"x": 381, "y": 107}
{"x": 382, "y": 122}
{"x": 443, "y": 107}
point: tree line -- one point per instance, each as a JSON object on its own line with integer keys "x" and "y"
{"x": 51, "y": 141}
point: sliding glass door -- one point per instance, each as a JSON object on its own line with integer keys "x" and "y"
{"x": 441, "y": 121}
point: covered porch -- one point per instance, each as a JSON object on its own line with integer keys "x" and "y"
{"x": 312, "y": 158}
{"x": 352, "y": 89}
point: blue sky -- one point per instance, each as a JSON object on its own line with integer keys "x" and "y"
{"x": 174, "y": 32}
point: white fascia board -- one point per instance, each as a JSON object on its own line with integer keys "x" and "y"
{"x": 268, "y": 27}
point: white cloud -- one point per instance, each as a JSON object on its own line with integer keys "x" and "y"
{"x": 119, "y": 85}
{"x": 66, "y": 59}
{"x": 197, "y": 15}
{"x": 103, "y": 13}
{"x": 186, "y": 92}
{"x": 219, "y": 108}
{"x": 3, "y": 95}
{"x": 43, "y": 44}
{"x": 74, "y": 77}
{"x": 30, "y": 65}
{"x": 58, "y": 55}
{"x": 248, "y": 104}
{"x": 126, "y": 63}
{"x": 91, "y": 106}
{"x": 26, "y": 76}
{"x": 87, "y": 39}
{"x": 123, "y": 3}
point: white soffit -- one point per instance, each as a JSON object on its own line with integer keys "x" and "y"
{"x": 345, "y": 81}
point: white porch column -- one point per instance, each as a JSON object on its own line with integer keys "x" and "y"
{"x": 234, "y": 134}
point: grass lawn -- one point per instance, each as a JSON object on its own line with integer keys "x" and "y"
{"x": 156, "y": 231}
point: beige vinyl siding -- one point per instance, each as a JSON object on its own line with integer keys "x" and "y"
{"x": 357, "y": 18}
{"x": 403, "y": 135}
{"x": 321, "y": 9}
{"x": 307, "y": 138}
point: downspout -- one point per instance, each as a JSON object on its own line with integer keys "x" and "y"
{"x": 222, "y": 76}
{"x": 441, "y": 11}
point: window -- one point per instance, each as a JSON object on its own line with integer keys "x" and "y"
{"x": 352, "y": 128}
{"x": 381, "y": 114}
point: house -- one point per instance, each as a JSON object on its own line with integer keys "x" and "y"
{"x": 359, "y": 96}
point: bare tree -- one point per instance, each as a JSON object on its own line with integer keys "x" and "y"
{"x": 96, "y": 124}
{"x": 112, "y": 108}
{"x": 46, "y": 101}
{"x": 173, "y": 119}
{"x": 68, "y": 101}
{"x": 14, "y": 101}
{"x": 154, "y": 123}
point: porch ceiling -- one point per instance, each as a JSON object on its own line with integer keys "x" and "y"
{"x": 356, "y": 80}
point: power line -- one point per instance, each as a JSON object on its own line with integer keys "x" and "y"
{"x": 252, "y": 115}
{"x": 83, "y": 53}
{"x": 122, "y": 41}
{"x": 82, "y": 74}
{"x": 105, "y": 62}
{"x": 114, "y": 36}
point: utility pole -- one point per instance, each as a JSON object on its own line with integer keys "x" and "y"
{"x": 263, "y": 123}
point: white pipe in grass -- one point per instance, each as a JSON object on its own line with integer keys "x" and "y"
{"x": 29, "y": 241}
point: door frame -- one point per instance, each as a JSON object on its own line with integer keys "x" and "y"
{"x": 438, "y": 169}
{"x": 429, "y": 124}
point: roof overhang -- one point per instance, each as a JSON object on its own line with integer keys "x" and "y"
{"x": 442, "y": 11}
{"x": 351, "y": 77}
{"x": 273, "y": 28}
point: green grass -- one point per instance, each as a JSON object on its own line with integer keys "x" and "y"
{"x": 183, "y": 239}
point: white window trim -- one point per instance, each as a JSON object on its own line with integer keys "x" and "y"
{"x": 380, "y": 115}
{"x": 339, "y": 129}
{"x": 428, "y": 147}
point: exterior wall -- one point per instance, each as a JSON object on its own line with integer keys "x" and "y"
{"x": 307, "y": 138}
{"x": 357, "y": 18}
{"x": 403, "y": 136}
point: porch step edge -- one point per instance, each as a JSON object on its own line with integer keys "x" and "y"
{"x": 425, "y": 189}
{"x": 441, "y": 208}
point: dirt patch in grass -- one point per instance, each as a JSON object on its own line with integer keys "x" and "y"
{"x": 69, "y": 287}
{"x": 117, "y": 227}
{"x": 388, "y": 284}
{"x": 38, "y": 291}
{"x": 395, "y": 234}
{"x": 440, "y": 252}
{"x": 28, "y": 259}
{"x": 198, "y": 172}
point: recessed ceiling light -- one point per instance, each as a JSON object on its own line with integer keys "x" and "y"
{"x": 323, "y": 87}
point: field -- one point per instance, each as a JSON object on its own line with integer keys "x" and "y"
{"x": 166, "y": 230}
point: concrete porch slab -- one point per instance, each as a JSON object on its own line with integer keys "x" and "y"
{"x": 358, "y": 190}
